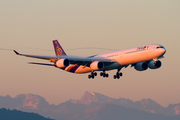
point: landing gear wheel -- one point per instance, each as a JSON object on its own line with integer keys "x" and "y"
{"x": 120, "y": 74}
{"x": 95, "y": 74}
{"x": 101, "y": 74}
{"x": 107, "y": 75}
{"x": 92, "y": 76}
{"x": 89, "y": 76}
{"x": 114, "y": 76}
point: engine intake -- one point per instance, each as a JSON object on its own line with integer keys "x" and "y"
{"x": 96, "y": 65}
{"x": 62, "y": 63}
{"x": 141, "y": 66}
{"x": 154, "y": 65}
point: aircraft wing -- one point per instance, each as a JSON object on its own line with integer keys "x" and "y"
{"x": 73, "y": 59}
{"x": 50, "y": 58}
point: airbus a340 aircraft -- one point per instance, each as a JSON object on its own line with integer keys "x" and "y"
{"x": 141, "y": 58}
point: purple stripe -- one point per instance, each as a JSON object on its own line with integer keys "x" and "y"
{"x": 73, "y": 69}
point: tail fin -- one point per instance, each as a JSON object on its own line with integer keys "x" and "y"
{"x": 58, "y": 49}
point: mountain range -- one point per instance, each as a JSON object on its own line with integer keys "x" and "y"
{"x": 93, "y": 106}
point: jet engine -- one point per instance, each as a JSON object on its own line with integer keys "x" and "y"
{"x": 96, "y": 65}
{"x": 62, "y": 63}
{"x": 154, "y": 65}
{"x": 141, "y": 66}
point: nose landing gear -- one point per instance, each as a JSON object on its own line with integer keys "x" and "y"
{"x": 155, "y": 61}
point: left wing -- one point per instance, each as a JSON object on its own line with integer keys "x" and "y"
{"x": 73, "y": 59}
{"x": 50, "y": 58}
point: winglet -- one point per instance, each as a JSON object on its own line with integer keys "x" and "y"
{"x": 16, "y": 52}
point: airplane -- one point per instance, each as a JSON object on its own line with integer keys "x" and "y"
{"x": 141, "y": 58}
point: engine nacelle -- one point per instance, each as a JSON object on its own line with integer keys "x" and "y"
{"x": 96, "y": 65}
{"x": 141, "y": 66}
{"x": 154, "y": 65}
{"x": 62, "y": 63}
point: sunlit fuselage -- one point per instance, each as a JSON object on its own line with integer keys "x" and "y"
{"x": 126, "y": 57}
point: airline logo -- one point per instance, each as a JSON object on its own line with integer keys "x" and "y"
{"x": 58, "y": 51}
{"x": 142, "y": 48}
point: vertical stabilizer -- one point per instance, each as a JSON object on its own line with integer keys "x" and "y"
{"x": 58, "y": 49}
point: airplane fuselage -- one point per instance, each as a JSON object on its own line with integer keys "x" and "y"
{"x": 123, "y": 58}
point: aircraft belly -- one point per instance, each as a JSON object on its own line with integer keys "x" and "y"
{"x": 73, "y": 68}
{"x": 83, "y": 69}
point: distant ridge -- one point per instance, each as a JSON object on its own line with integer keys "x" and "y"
{"x": 91, "y": 105}
{"x": 19, "y": 115}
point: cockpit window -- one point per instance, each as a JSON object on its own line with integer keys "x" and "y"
{"x": 159, "y": 47}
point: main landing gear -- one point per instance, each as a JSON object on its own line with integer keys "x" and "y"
{"x": 104, "y": 74}
{"x": 118, "y": 74}
{"x": 92, "y": 75}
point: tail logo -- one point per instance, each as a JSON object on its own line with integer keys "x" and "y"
{"x": 58, "y": 51}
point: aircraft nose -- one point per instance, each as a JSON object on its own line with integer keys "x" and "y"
{"x": 163, "y": 50}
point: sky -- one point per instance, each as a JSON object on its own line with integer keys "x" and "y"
{"x": 30, "y": 26}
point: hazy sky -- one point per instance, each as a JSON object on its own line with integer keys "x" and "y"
{"x": 30, "y": 26}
